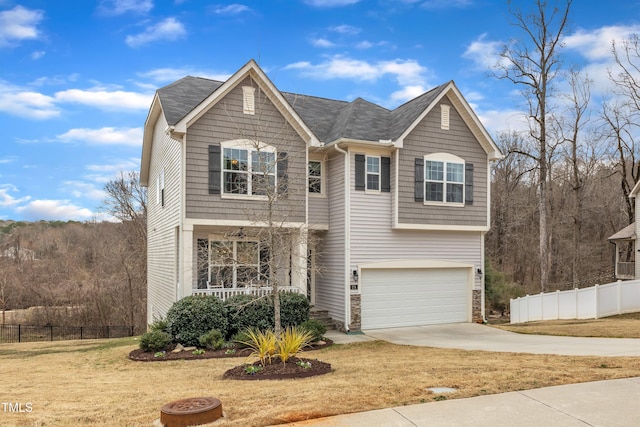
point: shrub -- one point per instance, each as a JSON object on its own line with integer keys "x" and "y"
{"x": 249, "y": 312}
{"x": 294, "y": 309}
{"x": 263, "y": 344}
{"x": 240, "y": 338}
{"x": 212, "y": 339}
{"x": 154, "y": 340}
{"x": 316, "y": 328}
{"x": 290, "y": 342}
{"x": 158, "y": 325}
{"x": 194, "y": 316}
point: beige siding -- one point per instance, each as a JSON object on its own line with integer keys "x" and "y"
{"x": 226, "y": 122}
{"x": 162, "y": 222}
{"x": 428, "y": 138}
{"x": 330, "y": 287}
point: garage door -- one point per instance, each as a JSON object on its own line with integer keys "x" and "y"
{"x": 413, "y": 297}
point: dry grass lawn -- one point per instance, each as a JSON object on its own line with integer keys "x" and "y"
{"x": 84, "y": 383}
{"x": 623, "y": 326}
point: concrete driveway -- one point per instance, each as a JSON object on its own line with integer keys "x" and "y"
{"x": 472, "y": 336}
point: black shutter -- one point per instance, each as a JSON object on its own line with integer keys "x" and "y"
{"x": 283, "y": 173}
{"x": 468, "y": 183}
{"x": 214, "y": 169}
{"x": 419, "y": 179}
{"x": 385, "y": 174}
{"x": 360, "y": 167}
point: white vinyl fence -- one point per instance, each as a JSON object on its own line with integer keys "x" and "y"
{"x": 588, "y": 303}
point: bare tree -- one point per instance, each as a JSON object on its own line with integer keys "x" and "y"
{"x": 533, "y": 64}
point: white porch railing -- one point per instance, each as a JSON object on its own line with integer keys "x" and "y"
{"x": 224, "y": 293}
{"x": 588, "y": 303}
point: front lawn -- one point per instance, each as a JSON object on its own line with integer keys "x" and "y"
{"x": 75, "y": 383}
{"x": 623, "y": 326}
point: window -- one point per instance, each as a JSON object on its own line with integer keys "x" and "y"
{"x": 373, "y": 173}
{"x": 444, "y": 180}
{"x": 231, "y": 264}
{"x": 315, "y": 177}
{"x": 160, "y": 188}
{"x": 249, "y": 172}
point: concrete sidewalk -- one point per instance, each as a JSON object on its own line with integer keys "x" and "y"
{"x": 603, "y": 403}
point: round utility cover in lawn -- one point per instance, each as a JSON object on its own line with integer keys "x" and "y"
{"x": 414, "y": 297}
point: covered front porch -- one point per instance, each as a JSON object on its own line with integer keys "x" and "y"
{"x": 625, "y": 252}
{"x": 245, "y": 260}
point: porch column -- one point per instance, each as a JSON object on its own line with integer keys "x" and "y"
{"x": 299, "y": 261}
{"x": 186, "y": 255}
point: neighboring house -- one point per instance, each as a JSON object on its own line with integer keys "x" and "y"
{"x": 385, "y": 211}
{"x": 625, "y": 267}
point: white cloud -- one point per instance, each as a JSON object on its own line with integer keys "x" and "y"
{"x": 101, "y": 98}
{"x": 231, "y": 9}
{"x": 37, "y": 54}
{"x": 484, "y": 53}
{"x": 596, "y": 45}
{"x": 406, "y": 72}
{"x": 53, "y": 210}
{"x": 104, "y": 136}
{"x": 407, "y": 93}
{"x": 85, "y": 189}
{"x": 345, "y": 29}
{"x": 122, "y": 165}
{"x": 119, "y": 7}
{"x": 330, "y": 3}
{"x": 26, "y": 103}
{"x": 19, "y": 24}
{"x": 170, "y": 29}
{"x": 8, "y": 200}
{"x": 502, "y": 120}
{"x": 322, "y": 43}
{"x": 163, "y": 75}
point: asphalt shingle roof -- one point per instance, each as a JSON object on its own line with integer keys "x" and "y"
{"x": 328, "y": 119}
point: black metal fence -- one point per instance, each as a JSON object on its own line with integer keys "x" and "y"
{"x": 30, "y": 333}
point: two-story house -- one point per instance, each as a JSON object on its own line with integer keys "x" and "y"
{"x": 377, "y": 215}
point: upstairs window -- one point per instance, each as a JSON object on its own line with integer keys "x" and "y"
{"x": 444, "y": 181}
{"x": 248, "y": 171}
{"x": 315, "y": 177}
{"x": 373, "y": 173}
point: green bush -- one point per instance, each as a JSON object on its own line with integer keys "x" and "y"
{"x": 294, "y": 309}
{"x": 158, "y": 325}
{"x": 240, "y": 338}
{"x": 212, "y": 339}
{"x": 195, "y": 315}
{"x": 316, "y": 328}
{"x": 154, "y": 340}
{"x": 249, "y": 312}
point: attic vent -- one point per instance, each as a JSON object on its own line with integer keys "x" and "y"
{"x": 444, "y": 117}
{"x": 248, "y": 100}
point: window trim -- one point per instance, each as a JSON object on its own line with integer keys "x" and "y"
{"x": 445, "y": 159}
{"x": 251, "y": 147}
{"x": 320, "y": 178}
{"x": 367, "y": 173}
{"x": 234, "y": 264}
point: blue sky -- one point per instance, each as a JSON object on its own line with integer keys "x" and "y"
{"x": 77, "y": 76}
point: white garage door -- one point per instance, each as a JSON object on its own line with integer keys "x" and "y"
{"x": 413, "y": 297}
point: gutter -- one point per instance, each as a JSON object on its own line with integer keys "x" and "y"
{"x": 347, "y": 237}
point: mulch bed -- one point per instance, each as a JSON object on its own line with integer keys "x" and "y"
{"x": 280, "y": 371}
{"x": 148, "y": 356}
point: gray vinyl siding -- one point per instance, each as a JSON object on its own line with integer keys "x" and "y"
{"x": 373, "y": 239}
{"x": 330, "y": 287}
{"x": 427, "y": 138}
{"x": 225, "y": 121}
{"x": 318, "y": 211}
{"x": 162, "y": 222}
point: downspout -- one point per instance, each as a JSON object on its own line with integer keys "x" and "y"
{"x": 482, "y": 286}
{"x": 347, "y": 239}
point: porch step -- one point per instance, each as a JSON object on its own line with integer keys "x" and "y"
{"x": 322, "y": 316}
